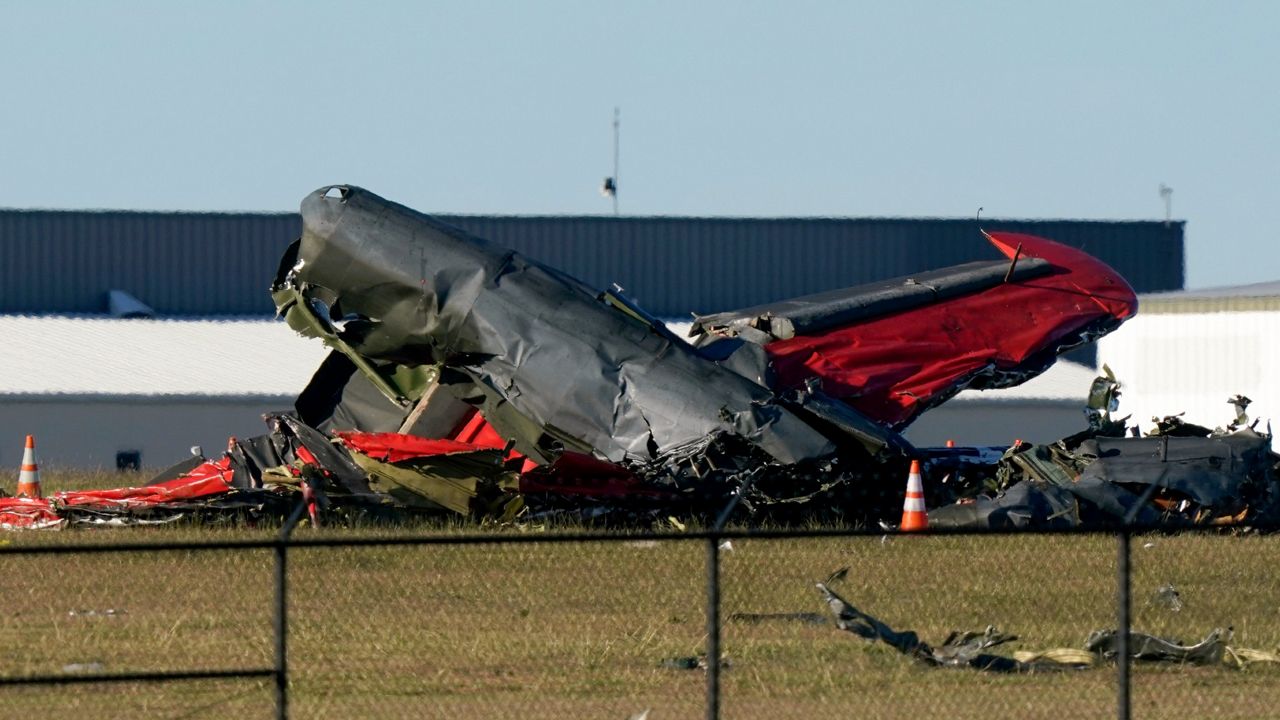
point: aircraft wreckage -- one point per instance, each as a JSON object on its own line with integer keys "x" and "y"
{"x": 467, "y": 378}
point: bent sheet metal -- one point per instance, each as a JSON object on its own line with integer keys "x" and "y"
{"x": 430, "y": 325}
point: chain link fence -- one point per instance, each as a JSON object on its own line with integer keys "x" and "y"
{"x": 445, "y": 623}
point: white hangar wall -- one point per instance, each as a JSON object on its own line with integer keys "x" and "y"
{"x": 90, "y": 387}
{"x": 1173, "y": 362}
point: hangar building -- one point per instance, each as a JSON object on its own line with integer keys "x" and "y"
{"x": 203, "y": 360}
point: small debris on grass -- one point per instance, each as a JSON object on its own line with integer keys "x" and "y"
{"x": 109, "y": 612}
{"x": 1167, "y": 597}
{"x": 691, "y": 662}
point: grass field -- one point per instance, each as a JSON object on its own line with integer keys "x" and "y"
{"x": 581, "y": 629}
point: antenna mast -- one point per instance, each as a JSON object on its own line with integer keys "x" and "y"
{"x": 610, "y": 186}
{"x": 1166, "y": 192}
{"x": 617, "y": 124}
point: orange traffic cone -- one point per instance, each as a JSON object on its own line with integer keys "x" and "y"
{"x": 29, "y": 475}
{"x": 914, "y": 517}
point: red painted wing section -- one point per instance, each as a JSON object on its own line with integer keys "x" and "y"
{"x": 213, "y": 477}
{"x": 892, "y": 368}
{"x": 206, "y": 480}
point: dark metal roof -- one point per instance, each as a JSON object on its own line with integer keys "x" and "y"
{"x": 1255, "y": 297}
{"x": 222, "y": 263}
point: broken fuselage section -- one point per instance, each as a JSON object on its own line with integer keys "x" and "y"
{"x": 438, "y": 334}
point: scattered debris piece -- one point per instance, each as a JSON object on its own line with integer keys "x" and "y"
{"x": 1073, "y": 657}
{"x": 967, "y": 649}
{"x": 691, "y": 662}
{"x": 960, "y": 649}
{"x": 1181, "y": 474}
{"x": 1142, "y": 646}
{"x": 109, "y": 612}
{"x": 1167, "y": 597}
{"x": 1243, "y": 657}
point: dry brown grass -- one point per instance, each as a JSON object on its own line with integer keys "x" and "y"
{"x": 579, "y": 630}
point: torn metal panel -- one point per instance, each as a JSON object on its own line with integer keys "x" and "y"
{"x": 960, "y": 649}
{"x": 1209, "y": 651}
{"x": 1211, "y": 471}
{"x": 401, "y": 384}
{"x": 340, "y": 397}
{"x": 422, "y": 473}
{"x": 555, "y": 366}
{"x": 23, "y": 513}
{"x": 454, "y": 482}
{"x": 1027, "y": 505}
{"x": 874, "y": 437}
{"x": 1103, "y": 477}
{"x": 1104, "y": 399}
{"x": 203, "y": 491}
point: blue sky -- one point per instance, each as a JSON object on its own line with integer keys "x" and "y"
{"x": 1029, "y": 109}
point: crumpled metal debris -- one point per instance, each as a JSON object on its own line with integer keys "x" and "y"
{"x": 1181, "y": 474}
{"x": 550, "y": 365}
{"x": 430, "y": 325}
{"x": 576, "y": 400}
{"x": 1168, "y": 598}
{"x": 960, "y": 649}
{"x": 968, "y": 649}
{"x": 1209, "y": 651}
{"x": 692, "y": 662}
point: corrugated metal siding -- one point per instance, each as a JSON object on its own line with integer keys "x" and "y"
{"x": 178, "y": 263}
{"x": 675, "y": 265}
{"x": 221, "y": 264}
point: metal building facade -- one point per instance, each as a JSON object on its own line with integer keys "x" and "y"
{"x": 178, "y": 263}
{"x": 222, "y": 263}
{"x": 1190, "y": 351}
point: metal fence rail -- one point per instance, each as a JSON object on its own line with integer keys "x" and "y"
{"x": 712, "y": 538}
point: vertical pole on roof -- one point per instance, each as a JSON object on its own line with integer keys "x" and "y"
{"x": 1122, "y": 611}
{"x": 282, "y": 610}
{"x": 617, "y": 125}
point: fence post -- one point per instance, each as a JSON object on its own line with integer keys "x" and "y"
{"x": 713, "y": 627}
{"x": 713, "y": 597}
{"x": 282, "y": 604}
{"x": 282, "y": 610}
{"x": 1122, "y": 611}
